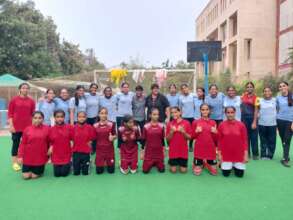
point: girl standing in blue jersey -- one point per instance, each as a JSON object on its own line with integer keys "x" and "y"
{"x": 173, "y": 96}
{"x": 267, "y": 124}
{"x": 77, "y": 104}
{"x": 124, "y": 103}
{"x": 215, "y": 100}
{"x": 92, "y": 104}
{"x": 285, "y": 119}
{"x": 231, "y": 99}
{"x": 92, "y": 108}
{"x": 47, "y": 107}
{"x": 198, "y": 101}
{"x": 62, "y": 103}
{"x": 186, "y": 104}
{"x": 108, "y": 101}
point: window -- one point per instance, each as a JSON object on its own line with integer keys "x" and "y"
{"x": 248, "y": 48}
{"x": 224, "y": 32}
{"x": 233, "y": 25}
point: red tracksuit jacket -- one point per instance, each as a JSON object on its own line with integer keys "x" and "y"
{"x": 153, "y": 136}
{"x": 104, "y": 147}
{"x": 129, "y": 146}
{"x": 20, "y": 109}
{"x": 205, "y": 145}
{"x": 232, "y": 141}
{"x": 82, "y": 135}
{"x": 34, "y": 145}
{"x": 60, "y": 137}
{"x": 178, "y": 147}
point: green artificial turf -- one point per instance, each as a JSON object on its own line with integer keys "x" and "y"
{"x": 266, "y": 192}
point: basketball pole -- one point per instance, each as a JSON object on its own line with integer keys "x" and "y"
{"x": 206, "y": 69}
{"x": 194, "y": 78}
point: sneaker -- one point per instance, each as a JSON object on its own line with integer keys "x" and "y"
{"x": 265, "y": 158}
{"x": 197, "y": 170}
{"x": 285, "y": 163}
{"x": 124, "y": 171}
{"x": 16, "y": 167}
{"x": 133, "y": 171}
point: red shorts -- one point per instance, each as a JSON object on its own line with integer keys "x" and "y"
{"x": 148, "y": 164}
{"x": 102, "y": 160}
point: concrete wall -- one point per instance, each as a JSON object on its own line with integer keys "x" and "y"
{"x": 256, "y": 26}
{"x": 285, "y": 35}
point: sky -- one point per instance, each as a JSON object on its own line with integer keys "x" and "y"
{"x": 153, "y": 30}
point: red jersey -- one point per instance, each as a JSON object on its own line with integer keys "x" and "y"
{"x": 178, "y": 147}
{"x": 82, "y": 136}
{"x": 60, "y": 137}
{"x": 104, "y": 145}
{"x": 20, "y": 110}
{"x": 205, "y": 145}
{"x": 232, "y": 141}
{"x": 129, "y": 139}
{"x": 34, "y": 145}
{"x": 153, "y": 136}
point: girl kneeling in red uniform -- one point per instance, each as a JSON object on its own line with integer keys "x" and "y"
{"x": 232, "y": 143}
{"x": 205, "y": 133}
{"x": 33, "y": 150}
{"x": 83, "y": 135}
{"x": 153, "y": 144}
{"x": 60, "y": 137}
{"x": 178, "y": 132}
{"x": 105, "y": 136}
{"x": 129, "y": 134}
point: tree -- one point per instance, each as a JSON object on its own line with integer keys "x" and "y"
{"x": 25, "y": 36}
{"x": 71, "y": 58}
{"x": 30, "y": 45}
{"x": 181, "y": 64}
{"x": 225, "y": 80}
{"x": 91, "y": 61}
{"x": 166, "y": 64}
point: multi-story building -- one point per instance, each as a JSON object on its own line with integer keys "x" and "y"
{"x": 247, "y": 29}
{"x": 284, "y": 35}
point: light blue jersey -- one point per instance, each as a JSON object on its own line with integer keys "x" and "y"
{"x": 61, "y": 104}
{"x": 124, "y": 103}
{"x": 80, "y": 108}
{"x": 216, "y": 105}
{"x": 236, "y": 103}
{"x": 197, "y": 103}
{"x": 48, "y": 109}
{"x": 186, "y": 104}
{"x": 285, "y": 112}
{"x": 92, "y": 105}
{"x": 267, "y": 112}
{"x": 173, "y": 100}
{"x": 110, "y": 105}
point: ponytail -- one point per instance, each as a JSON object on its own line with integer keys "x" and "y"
{"x": 290, "y": 99}
{"x": 76, "y": 95}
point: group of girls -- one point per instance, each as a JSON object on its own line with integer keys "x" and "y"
{"x": 262, "y": 117}
{"x": 90, "y": 123}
